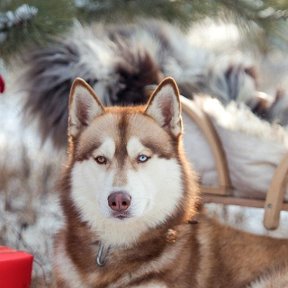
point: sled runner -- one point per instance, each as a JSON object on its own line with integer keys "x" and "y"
{"x": 223, "y": 193}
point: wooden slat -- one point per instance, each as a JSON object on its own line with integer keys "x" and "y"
{"x": 275, "y": 195}
{"x": 215, "y": 190}
{"x": 248, "y": 202}
{"x": 208, "y": 130}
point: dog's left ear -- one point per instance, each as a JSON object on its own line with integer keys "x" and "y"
{"x": 84, "y": 106}
{"x": 164, "y": 106}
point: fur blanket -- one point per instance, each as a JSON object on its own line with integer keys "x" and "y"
{"x": 120, "y": 62}
{"x": 253, "y": 147}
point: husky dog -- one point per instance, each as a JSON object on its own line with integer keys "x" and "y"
{"x": 130, "y": 201}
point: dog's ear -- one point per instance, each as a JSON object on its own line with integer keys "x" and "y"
{"x": 164, "y": 106}
{"x": 84, "y": 106}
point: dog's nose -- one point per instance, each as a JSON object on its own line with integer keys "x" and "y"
{"x": 119, "y": 201}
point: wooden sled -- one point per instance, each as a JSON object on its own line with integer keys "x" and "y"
{"x": 223, "y": 193}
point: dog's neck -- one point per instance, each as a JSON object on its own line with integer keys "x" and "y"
{"x": 167, "y": 233}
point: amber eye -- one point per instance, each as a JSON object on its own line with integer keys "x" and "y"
{"x": 142, "y": 158}
{"x": 101, "y": 160}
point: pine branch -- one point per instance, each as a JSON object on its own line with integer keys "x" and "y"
{"x": 34, "y": 22}
{"x": 261, "y": 21}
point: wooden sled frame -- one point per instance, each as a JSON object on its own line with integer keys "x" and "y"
{"x": 274, "y": 202}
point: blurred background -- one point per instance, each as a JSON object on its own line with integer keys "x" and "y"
{"x": 261, "y": 23}
{"x": 256, "y": 32}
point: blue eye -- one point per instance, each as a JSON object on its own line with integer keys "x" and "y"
{"x": 142, "y": 158}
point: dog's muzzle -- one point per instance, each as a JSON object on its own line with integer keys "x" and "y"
{"x": 119, "y": 202}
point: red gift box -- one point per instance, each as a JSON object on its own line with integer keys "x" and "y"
{"x": 15, "y": 268}
{"x": 2, "y": 84}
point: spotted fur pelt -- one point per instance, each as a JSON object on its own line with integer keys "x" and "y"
{"x": 120, "y": 62}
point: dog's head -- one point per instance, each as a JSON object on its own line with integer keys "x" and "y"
{"x": 126, "y": 173}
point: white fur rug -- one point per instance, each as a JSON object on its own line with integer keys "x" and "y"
{"x": 253, "y": 147}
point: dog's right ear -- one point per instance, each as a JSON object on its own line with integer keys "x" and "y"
{"x": 84, "y": 106}
{"x": 164, "y": 106}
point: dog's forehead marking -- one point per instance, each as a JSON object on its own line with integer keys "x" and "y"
{"x": 150, "y": 135}
{"x": 104, "y": 126}
{"x": 107, "y": 148}
{"x": 134, "y": 147}
{"x": 121, "y": 128}
{"x": 101, "y": 129}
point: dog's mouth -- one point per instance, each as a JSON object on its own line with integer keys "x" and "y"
{"x": 121, "y": 215}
